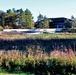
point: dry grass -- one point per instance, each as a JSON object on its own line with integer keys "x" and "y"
{"x": 35, "y": 57}
{"x": 20, "y": 57}
{"x": 4, "y": 35}
{"x": 68, "y": 57}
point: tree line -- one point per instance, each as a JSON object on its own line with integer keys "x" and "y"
{"x": 12, "y": 19}
{"x": 20, "y": 18}
{"x": 16, "y": 19}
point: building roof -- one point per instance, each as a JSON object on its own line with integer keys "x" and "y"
{"x": 58, "y": 19}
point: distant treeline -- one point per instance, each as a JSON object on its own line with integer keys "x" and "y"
{"x": 19, "y": 18}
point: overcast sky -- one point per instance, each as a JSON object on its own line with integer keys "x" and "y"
{"x": 50, "y": 8}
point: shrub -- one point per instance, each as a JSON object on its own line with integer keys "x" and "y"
{"x": 69, "y": 30}
{"x": 60, "y": 63}
{"x": 1, "y": 28}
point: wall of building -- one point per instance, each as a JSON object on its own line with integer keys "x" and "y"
{"x": 34, "y": 30}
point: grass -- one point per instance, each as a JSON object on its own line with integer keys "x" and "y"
{"x": 10, "y": 74}
{"x": 39, "y": 36}
{"x": 18, "y": 58}
{"x": 15, "y": 74}
{"x": 16, "y": 55}
{"x": 20, "y": 74}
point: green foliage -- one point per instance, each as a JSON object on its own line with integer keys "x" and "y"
{"x": 37, "y": 65}
{"x": 74, "y": 23}
{"x": 2, "y": 18}
{"x": 68, "y": 23}
{"x": 10, "y": 19}
{"x": 69, "y": 30}
{"x": 27, "y": 20}
{"x": 42, "y": 22}
{"x": 1, "y": 28}
{"x": 40, "y": 17}
{"x": 16, "y": 19}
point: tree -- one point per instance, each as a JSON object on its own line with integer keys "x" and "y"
{"x": 11, "y": 18}
{"x": 72, "y": 17}
{"x": 2, "y": 18}
{"x": 46, "y": 22}
{"x": 27, "y": 19}
{"x": 19, "y": 17}
{"x": 42, "y": 22}
{"x": 74, "y": 23}
{"x": 40, "y": 17}
{"x": 16, "y": 18}
{"x": 68, "y": 23}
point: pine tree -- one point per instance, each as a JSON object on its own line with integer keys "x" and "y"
{"x": 42, "y": 22}
{"x": 27, "y": 19}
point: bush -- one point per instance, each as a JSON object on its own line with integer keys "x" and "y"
{"x": 69, "y": 30}
{"x": 57, "y": 64}
{"x": 1, "y": 28}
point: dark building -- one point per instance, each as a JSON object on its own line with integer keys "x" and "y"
{"x": 58, "y": 22}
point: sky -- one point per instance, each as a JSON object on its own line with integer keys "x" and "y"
{"x": 48, "y": 8}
